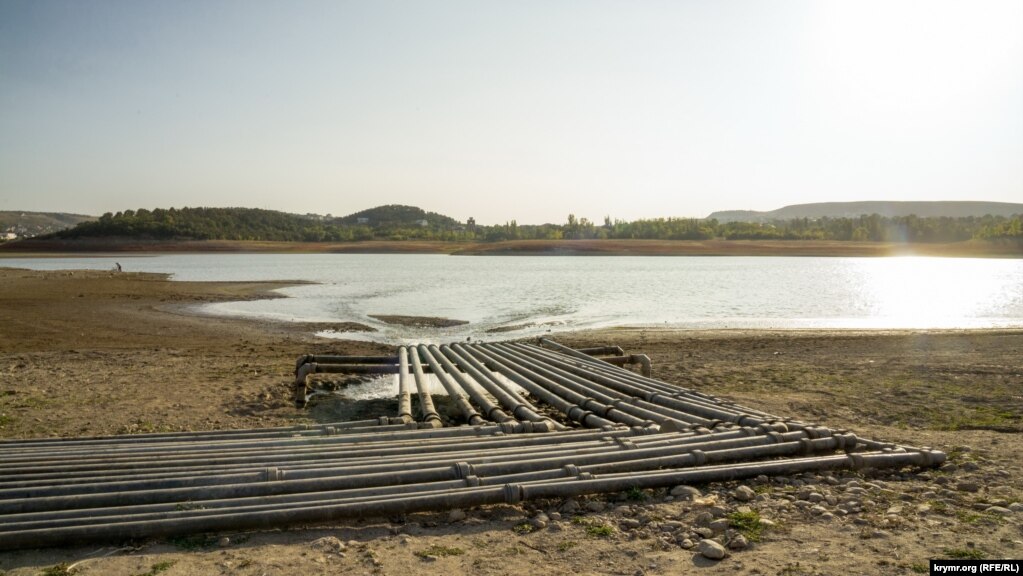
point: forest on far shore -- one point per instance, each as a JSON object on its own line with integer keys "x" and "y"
{"x": 397, "y": 223}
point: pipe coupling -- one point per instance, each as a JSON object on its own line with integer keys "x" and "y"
{"x": 273, "y": 474}
{"x": 472, "y": 481}
{"x": 462, "y": 469}
{"x": 570, "y": 470}
{"x": 512, "y": 493}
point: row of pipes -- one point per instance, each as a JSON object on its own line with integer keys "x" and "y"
{"x": 615, "y": 430}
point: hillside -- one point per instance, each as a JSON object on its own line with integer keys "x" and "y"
{"x": 883, "y": 208}
{"x": 253, "y": 224}
{"x": 398, "y": 215}
{"x": 29, "y": 224}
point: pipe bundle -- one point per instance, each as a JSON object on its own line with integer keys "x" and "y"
{"x": 583, "y": 426}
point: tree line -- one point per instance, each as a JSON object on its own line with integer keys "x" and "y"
{"x": 406, "y": 223}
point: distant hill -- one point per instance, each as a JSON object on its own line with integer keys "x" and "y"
{"x": 398, "y": 215}
{"x": 29, "y": 224}
{"x": 882, "y": 208}
{"x": 254, "y": 224}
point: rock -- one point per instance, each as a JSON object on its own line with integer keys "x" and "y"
{"x": 827, "y": 516}
{"x": 570, "y": 507}
{"x": 704, "y": 518}
{"x": 704, "y": 532}
{"x": 328, "y": 544}
{"x": 686, "y": 544}
{"x": 970, "y": 466}
{"x": 539, "y": 521}
{"x": 815, "y": 497}
{"x": 1016, "y": 506}
{"x": 224, "y": 542}
{"x": 629, "y": 523}
{"x": 710, "y": 549}
{"x": 738, "y": 543}
{"x": 719, "y": 525}
{"x": 554, "y": 516}
{"x": 998, "y": 510}
{"x": 968, "y": 486}
{"x": 595, "y": 506}
{"x": 685, "y": 492}
{"x": 456, "y": 515}
{"x": 717, "y": 511}
{"x": 744, "y": 493}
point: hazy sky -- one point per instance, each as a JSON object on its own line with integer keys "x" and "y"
{"x": 525, "y": 110}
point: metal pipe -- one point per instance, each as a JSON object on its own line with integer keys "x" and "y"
{"x": 423, "y": 387}
{"x": 404, "y": 394}
{"x": 519, "y": 407}
{"x": 468, "y": 412}
{"x": 540, "y": 390}
{"x": 492, "y": 411}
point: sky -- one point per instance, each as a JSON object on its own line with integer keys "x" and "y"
{"x": 525, "y": 110}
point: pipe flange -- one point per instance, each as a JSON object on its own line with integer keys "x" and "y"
{"x": 856, "y": 461}
{"x": 507, "y": 427}
{"x": 849, "y": 441}
{"x": 472, "y": 481}
{"x": 273, "y": 474}
{"x": 751, "y": 431}
{"x": 462, "y": 469}
{"x": 512, "y": 493}
{"x": 775, "y": 437}
{"x": 585, "y": 476}
{"x": 806, "y": 446}
{"x": 570, "y": 470}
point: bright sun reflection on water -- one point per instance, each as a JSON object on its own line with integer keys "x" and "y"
{"x": 918, "y": 292}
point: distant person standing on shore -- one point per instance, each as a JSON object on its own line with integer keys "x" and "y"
{"x": 118, "y": 264}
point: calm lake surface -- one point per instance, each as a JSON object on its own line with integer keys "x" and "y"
{"x": 526, "y": 295}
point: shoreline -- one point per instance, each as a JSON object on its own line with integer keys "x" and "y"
{"x": 611, "y": 247}
{"x": 94, "y": 352}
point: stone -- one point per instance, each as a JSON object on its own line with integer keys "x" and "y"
{"x": 686, "y": 544}
{"x": 685, "y": 492}
{"x": 595, "y": 506}
{"x": 704, "y": 518}
{"x": 329, "y": 544}
{"x": 711, "y": 549}
{"x": 998, "y": 510}
{"x": 967, "y": 486}
{"x": 1016, "y": 506}
{"x": 629, "y": 523}
{"x": 456, "y": 515}
{"x": 815, "y": 497}
{"x": 719, "y": 525}
{"x": 570, "y": 507}
{"x": 224, "y": 542}
{"x": 738, "y": 543}
{"x": 704, "y": 532}
{"x": 970, "y": 466}
{"x": 717, "y": 511}
{"x": 744, "y": 493}
{"x": 554, "y": 516}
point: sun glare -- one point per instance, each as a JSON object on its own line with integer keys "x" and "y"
{"x": 917, "y": 292}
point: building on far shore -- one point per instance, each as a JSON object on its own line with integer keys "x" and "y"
{"x": 9, "y": 236}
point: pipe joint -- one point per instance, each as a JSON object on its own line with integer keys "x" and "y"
{"x": 699, "y": 457}
{"x": 462, "y": 470}
{"x": 512, "y": 493}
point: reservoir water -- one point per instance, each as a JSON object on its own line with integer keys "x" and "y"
{"x": 517, "y": 296}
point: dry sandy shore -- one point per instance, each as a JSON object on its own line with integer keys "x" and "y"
{"x": 101, "y": 353}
